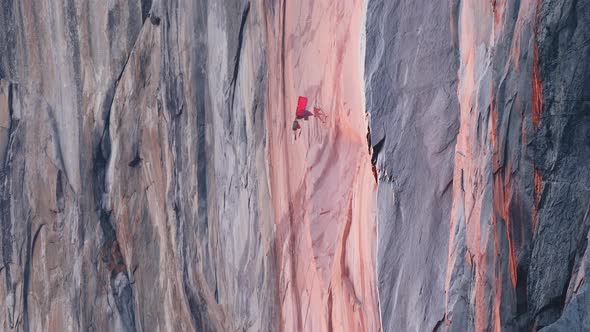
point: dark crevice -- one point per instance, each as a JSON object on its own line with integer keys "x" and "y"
{"x": 136, "y": 160}
{"x": 59, "y": 192}
{"x": 30, "y": 250}
{"x": 439, "y": 324}
{"x": 376, "y": 150}
{"x": 26, "y": 279}
{"x": 115, "y": 265}
{"x": 330, "y": 305}
{"x": 239, "y": 53}
{"x": 196, "y": 302}
{"x": 216, "y": 290}
{"x": 74, "y": 45}
{"x": 447, "y": 187}
{"x": 146, "y": 6}
{"x": 10, "y": 126}
{"x": 5, "y": 190}
{"x": 110, "y": 251}
{"x": 155, "y": 20}
{"x": 110, "y": 96}
{"x": 369, "y": 138}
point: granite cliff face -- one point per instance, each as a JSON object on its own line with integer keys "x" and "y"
{"x": 322, "y": 186}
{"x": 483, "y": 199}
{"x": 134, "y": 190}
{"x": 149, "y": 179}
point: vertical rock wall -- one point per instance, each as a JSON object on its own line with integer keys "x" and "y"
{"x": 411, "y": 85}
{"x": 559, "y": 262}
{"x": 321, "y": 183}
{"x": 492, "y": 222}
{"x": 483, "y": 208}
{"x": 134, "y": 191}
{"x": 149, "y": 179}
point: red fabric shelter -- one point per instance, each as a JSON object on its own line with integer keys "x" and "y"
{"x": 301, "y": 104}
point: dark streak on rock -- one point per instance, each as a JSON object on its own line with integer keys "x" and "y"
{"x": 155, "y": 20}
{"x": 74, "y": 41}
{"x": 59, "y": 192}
{"x": 8, "y": 47}
{"x": 197, "y": 305}
{"x": 376, "y": 150}
{"x": 438, "y": 324}
{"x": 369, "y": 138}
{"x": 146, "y": 6}
{"x": 136, "y": 160}
{"x": 110, "y": 252}
{"x": 199, "y": 77}
{"x": 115, "y": 264}
{"x": 30, "y": 251}
{"x": 5, "y": 191}
{"x": 239, "y": 53}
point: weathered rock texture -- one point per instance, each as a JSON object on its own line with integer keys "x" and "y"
{"x": 480, "y": 123}
{"x": 149, "y": 179}
{"x": 139, "y": 158}
{"x": 134, "y": 194}
{"x": 322, "y": 186}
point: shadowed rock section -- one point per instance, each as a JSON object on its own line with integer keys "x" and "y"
{"x": 411, "y": 82}
{"x": 483, "y": 213}
{"x": 559, "y": 274}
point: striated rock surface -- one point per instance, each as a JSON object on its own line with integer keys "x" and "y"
{"x": 134, "y": 192}
{"x": 483, "y": 199}
{"x": 150, "y": 179}
{"x": 411, "y": 86}
{"x": 321, "y": 183}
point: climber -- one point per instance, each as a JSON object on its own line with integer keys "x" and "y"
{"x": 296, "y": 127}
{"x": 302, "y": 112}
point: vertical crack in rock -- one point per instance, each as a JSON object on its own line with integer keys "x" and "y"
{"x": 74, "y": 46}
{"x": 59, "y": 192}
{"x": 30, "y": 251}
{"x": 202, "y": 100}
{"x": 5, "y": 189}
{"x": 376, "y": 150}
{"x": 234, "y": 79}
{"x": 198, "y": 306}
{"x": 15, "y": 228}
{"x": 146, "y": 6}
{"x": 111, "y": 252}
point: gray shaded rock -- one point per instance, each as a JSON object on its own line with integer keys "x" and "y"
{"x": 479, "y": 141}
{"x": 411, "y": 82}
{"x": 562, "y": 148}
{"x": 133, "y": 191}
